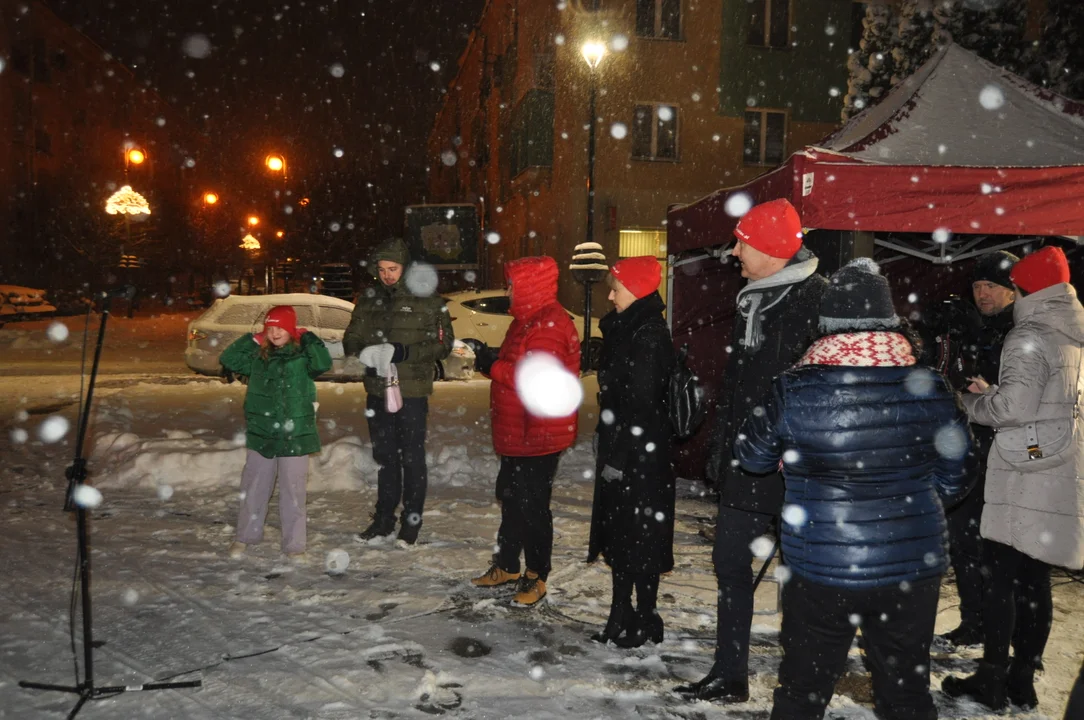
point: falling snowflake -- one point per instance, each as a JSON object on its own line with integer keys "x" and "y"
{"x": 619, "y": 131}
{"x": 421, "y": 279}
{"x": 197, "y": 46}
{"x": 619, "y": 43}
{"x": 337, "y": 70}
{"x": 53, "y": 429}
{"x": 546, "y": 387}
{"x": 795, "y": 515}
{"x": 448, "y": 158}
{"x": 991, "y": 97}
{"x": 738, "y": 204}
{"x": 57, "y": 332}
{"x": 762, "y": 547}
{"x": 86, "y": 496}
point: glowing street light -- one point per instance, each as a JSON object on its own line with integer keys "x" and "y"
{"x": 127, "y": 201}
{"x": 593, "y": 52}
{"x": 279, "y": 233}
{"x": 253, "y": 221}
{"x": 134, "y": 156}
{"x": 210, "y": 198}
{"x": 276, "y": 163}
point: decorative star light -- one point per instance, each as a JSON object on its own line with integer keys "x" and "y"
{"x": 127, "y": 201}
{"x": 250, "y": 243}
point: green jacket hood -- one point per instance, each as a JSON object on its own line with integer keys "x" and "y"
{"x": 393, "y": 249}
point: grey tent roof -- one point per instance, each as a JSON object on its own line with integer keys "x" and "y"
{"x": 959, "y": 109}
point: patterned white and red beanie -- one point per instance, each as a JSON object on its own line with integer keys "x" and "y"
{"x": 858, "y": 298}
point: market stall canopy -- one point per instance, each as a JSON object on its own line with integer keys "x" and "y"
{"x": 962, "y": 146}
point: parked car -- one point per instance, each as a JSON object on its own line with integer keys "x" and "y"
{"x": 483, "y": 315}
{"x": 231, "y": 317}
{"x": 22, "y": 303}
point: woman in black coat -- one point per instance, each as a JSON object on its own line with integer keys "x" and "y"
{"x": 632, "y": 519}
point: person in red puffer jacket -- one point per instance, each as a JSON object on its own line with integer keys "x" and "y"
{"x": 529, "y": 445}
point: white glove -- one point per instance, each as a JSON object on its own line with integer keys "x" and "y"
{"x": 378, "y": 357}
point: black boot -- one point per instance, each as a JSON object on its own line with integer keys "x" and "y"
{"x": 410, "y": 524}
{"x": 716, "y": 688}
{"x": 645, "y": 627}
{"x": 1020, "y": 686}
{"x": 380, "y": 526}
{"x": 986, "y": 686}
{"x": 621, "y": 613}
{"x": 619, "y": 621}
{"x": 966, "y": 635}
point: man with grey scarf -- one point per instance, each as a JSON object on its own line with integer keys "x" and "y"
{"x": 776, "y": 320}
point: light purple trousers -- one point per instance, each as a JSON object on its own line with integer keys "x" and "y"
{"x": 257, "y": 482}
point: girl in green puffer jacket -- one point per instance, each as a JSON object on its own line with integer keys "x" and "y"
{"x": 280, "y": 413}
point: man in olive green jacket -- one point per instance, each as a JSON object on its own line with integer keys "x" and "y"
{"x": 392, "y": 325}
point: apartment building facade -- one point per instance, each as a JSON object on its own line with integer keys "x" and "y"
{"x": 690, "y": 96}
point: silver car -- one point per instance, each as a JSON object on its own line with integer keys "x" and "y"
{"x": 231, "y": 317}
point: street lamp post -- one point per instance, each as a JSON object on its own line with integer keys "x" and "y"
{"x": 276, "y": 163}
{"x": 589, "y": 263}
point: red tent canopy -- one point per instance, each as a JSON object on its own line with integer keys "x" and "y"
{"x": 962, "y": 147}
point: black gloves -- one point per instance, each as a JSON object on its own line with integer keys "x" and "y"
{"x": 484, "y": 357}
{"x": 400, "y": 353}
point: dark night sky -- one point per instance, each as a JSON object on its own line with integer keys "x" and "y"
{"x": 268, "y": 82}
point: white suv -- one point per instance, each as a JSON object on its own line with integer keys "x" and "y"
{"x": 230, "y": 318}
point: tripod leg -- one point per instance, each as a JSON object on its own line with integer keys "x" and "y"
{"x": 79, "y": 705}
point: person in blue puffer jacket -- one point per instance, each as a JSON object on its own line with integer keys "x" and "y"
{"x": 871, "y": 445}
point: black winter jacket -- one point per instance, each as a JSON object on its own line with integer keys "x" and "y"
{"x": 869, "y": 454}
{"x": 788, "y": 327}
{"x": 632, "y": 519}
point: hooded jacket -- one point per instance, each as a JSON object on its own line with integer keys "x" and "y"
{"x": 539, "y": 325}
{"x": 1040, "y": 513}
{"x": 396, "y": 315}
{"x": 280, "y": 414}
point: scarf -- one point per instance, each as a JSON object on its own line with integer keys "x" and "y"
{"x": 873, "y": 348}
{"x": 751, "y": 298}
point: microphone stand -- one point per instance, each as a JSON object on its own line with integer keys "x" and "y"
{"x": 76, "y": 475}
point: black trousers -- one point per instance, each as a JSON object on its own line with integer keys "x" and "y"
{"x": 399, "y": 449}
{"x": 1075, "y": 708}
{"x": 965, "y": 547}
{"x": 734, "y": 531}
{"x": 524, "y": 486}
{"x": 819, "y": 624}
{"x": 1017, "y": 607}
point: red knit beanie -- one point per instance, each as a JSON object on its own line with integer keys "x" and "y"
{"x": 640, "y": 275}
{"x": 283, "y": 316}
{"x": 1041, "y": 269}
{"x": 773, "y": 228}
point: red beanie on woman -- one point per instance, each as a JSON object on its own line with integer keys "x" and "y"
{"x": 1041, "y": 269}
{"x": 640, "y": 275}
{"x": 285, "y": 317}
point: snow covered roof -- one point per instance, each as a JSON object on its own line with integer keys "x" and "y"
{"x": 961, "y": 110}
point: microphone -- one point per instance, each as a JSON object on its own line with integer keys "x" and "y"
{"x": 124, "y": 291}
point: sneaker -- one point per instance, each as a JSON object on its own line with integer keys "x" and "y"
{"x": 237, "y": 550}
{"x": 381, "y": 526}
{"x": 493, "y": 577}
{"x": 530, "y": 591}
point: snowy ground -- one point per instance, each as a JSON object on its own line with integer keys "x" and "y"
{"x": 401, "y": 633}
